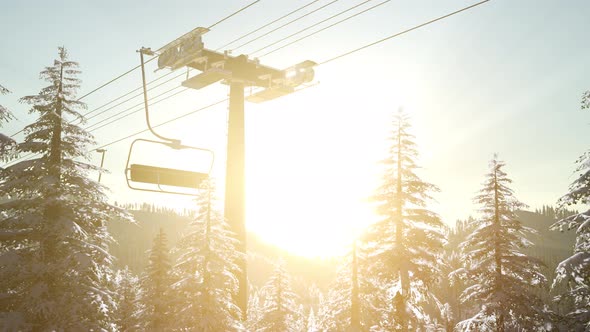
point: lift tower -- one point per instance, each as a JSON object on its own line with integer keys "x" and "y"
{"x": 238, "y": 72}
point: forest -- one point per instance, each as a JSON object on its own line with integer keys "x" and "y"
{"x": 71, "y": 259}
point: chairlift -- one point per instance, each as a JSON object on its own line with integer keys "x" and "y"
{"x": 164, "y": 179}
{"x": 155, "y": 178}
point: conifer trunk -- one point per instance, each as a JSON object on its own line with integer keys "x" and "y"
{"x": 355, "y": 314}
{"x": 206, "y": 275}
{"x": 498, "y": 258}
{"x": 399, "y": 232}
{"x": 53, "y": 211}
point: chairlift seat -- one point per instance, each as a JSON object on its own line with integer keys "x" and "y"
{"x": 166, "y": 176}
{"x": 162, "y": 179}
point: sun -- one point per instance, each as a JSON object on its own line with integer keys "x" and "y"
{"x": 308, "y": 180}
{"x": 305, "y": 216}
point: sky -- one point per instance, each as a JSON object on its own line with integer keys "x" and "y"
{"x": 505, "y": 77}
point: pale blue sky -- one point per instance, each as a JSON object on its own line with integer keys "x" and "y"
{"x": 504, "y": 77}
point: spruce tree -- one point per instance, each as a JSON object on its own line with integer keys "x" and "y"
{"x": 156, "y": 286}
{"x": 407, "y": 240}
{"x": 347, "y": 305}
{"x": 54, "y": 264}
{"x": 280, "y": 310}
{"x": 311, "y": 322}
{"x": 207, "y": 271}
{"x": 255, "y": 303}
{"x": 574, "y": 272}
{"x": 127, "y": 299}
{"x": 501, "y": 274}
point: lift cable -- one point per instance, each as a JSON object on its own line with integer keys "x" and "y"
{"x": 173, "y": 120}
{"x": 318, "y": 31}
{"x": 314, "y": 25}
{"x": 135, "y": 110}
{"x": 284, "y": 25}
{"x": 231, "y": 15}
{"x": 127, "y": 94}
{"x": 266, "y": 25}
{"x": 161, "y": 124}
{"x": 402, "y": 32}
{"x": 131, "y": 98}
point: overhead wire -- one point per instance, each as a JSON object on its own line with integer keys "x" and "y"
{"x": 125, "y": 95}
{"x": 267, "y": 24}
{"x": 232, "y": 14}
{"x": 161, "y": 124}
{"x": 135, "y": 96}
{"x": 318, "y": 31}
{"x": 175, "y": 119}
{"x": 402, "y": 32}
{"x": 286, "y": 24}
{"x": 312, "y": 26}
{"x": 136, "y": 110}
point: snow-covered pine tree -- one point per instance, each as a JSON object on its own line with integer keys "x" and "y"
{"x": 405, "y": 244}
{"x": 280, "y": 310}
{"x": 156, "y": 287}
{"x": 574, "y": 272}
{"x": 300, "y": 322}
{"x": 54, "y": 265}
{"x": 127, "y": 296}
{"x": 501, "y": 275}
{"x": 7, "y": 144}
{"x": 347, "y": 306}
{"x": 255, "y": 302}
{"x": 311, "y": 322}
{"x": 207, "y": 271}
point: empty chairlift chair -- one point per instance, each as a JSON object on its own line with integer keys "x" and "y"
{"x": 155, "y": 178}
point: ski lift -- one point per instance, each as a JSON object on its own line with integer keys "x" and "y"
{"x": 158, "y": 178}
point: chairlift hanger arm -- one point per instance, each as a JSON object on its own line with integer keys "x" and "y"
{"x": 148, "y": 51}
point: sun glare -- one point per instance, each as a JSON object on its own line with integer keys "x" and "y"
{"x": 308, "y": 181}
